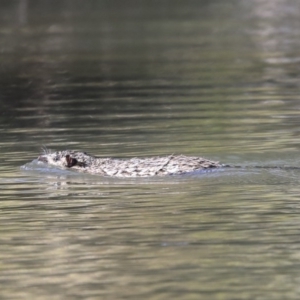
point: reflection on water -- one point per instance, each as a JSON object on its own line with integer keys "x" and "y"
{"x": 211, "y": 78}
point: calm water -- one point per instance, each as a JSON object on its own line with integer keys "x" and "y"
{"x": 219, "y": 79}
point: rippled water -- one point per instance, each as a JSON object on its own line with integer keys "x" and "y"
{"x": 209, "y": 78}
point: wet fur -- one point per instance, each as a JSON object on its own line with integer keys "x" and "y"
{"x": 134, "y": 167}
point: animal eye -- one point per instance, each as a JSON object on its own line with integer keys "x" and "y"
{"x": 55, "y": 158}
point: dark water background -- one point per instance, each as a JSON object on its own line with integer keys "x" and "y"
{"x": 219, "y": 79}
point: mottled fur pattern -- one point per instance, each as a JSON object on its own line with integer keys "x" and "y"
{"x": 134, "y": 167}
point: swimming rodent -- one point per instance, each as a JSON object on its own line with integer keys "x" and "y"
{"x": 134, "y": 167}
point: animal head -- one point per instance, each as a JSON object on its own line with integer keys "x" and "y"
{"x": 66, "y": 159}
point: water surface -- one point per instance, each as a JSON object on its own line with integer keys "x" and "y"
{"x": 207, "y": 78}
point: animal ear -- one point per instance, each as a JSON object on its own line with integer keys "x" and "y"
{"x": 70, "y": 161}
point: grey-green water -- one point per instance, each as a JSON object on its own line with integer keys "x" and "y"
{"x": 219, "y": 79}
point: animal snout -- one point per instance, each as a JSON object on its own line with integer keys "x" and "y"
{"x": 42, "y": 158}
